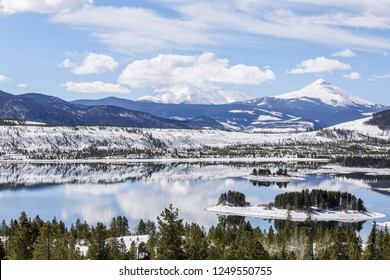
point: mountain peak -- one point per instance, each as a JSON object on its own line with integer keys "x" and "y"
{"x": 327, "y": 93}
{"x": 319, "y": 82}
{"x": 185, "y": 93}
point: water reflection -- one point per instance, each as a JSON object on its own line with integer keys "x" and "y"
{"x": 190, "y": 187}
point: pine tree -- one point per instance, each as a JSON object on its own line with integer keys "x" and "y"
{"x": 141, "y": 228}
{"x": 195, "y": 243}
{"x": 132, "y": 253}
{"x": 98, "y": 249}
{"x": 45, "y": 243}
{"x": 22, "y": 238}
{"x": 2, "y": 251}
{"x": 116, "y": 248}
{"x": 370, "y": 252}
{"x": 170, "y": 242}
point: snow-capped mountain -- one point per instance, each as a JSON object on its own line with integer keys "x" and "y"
{"x": 322, "y": 91}
{"x": 48, "y": 109}
{"x": 183, "y": 93}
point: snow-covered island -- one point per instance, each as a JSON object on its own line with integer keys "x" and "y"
{"x": 281, "y": 214}
{"x": 266, "y": 175}
{"x": 323, "y": 205}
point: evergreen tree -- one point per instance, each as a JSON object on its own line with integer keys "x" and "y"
{"x": 66, "y": 248}
{"x": 141, "y": 228}
{"x": 170, "y": 242}
{"x": 119, "y": 227}
{"x": 116, "y": 248}
{"x": 151, "y": 245}
{"x": 98, "y": 249}
{"x": 195, "y": 243}
{"x": 339, "y": 247}
{"x": 3, "y": 227}
{"x": 370, "y": 252}
{"x": 45, "y": 243}
{"x": 22, "y": 238}
{"x": 2, "y": 251}
{"x": 132, "y": 253}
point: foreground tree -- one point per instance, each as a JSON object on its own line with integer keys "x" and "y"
{"x": 195, "y": 243}
{"x": 45, "y": 243}
{"x": 2, "y": 251}
{"x": 98, "y": 249}
{"x": 170, "y": 241}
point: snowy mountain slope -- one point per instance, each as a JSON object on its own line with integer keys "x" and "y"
{"x": 183, "y": 93}
{"x": 321, "y": 90}
{"x": 49, "y": 109}
{"x": 363, "y": 127}
{"x": 65, "y": 139}
{"x": 317, "y": 105}
{"x": 51, "y": 140}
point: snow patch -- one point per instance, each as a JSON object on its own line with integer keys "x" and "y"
{"x": 281, "y": 214}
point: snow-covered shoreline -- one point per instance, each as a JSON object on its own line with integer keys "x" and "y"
{"x": 276, "y": 179}
{"x": 337, "y": 169}
{"x": 384, "y": 224}
{"x": 165, "y": 160}
{"x": 281, "y": 214}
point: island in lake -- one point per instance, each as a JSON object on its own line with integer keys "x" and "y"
{"x": 320, "y": 205}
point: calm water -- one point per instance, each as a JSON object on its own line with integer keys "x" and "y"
{"x": 146, "y": 199}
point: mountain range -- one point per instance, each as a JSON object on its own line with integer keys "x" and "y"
{"x": 49, "y": 109}
{"x": 317, "y": 105}
{"x": 183, "y": 93}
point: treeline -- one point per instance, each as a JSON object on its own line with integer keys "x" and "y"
{"x": 357, "y": 161}
{"x": 232, "y": 198}
{"x": 231, "y": 238}
{"x": 323, "y": 199}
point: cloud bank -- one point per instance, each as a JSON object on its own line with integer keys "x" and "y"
{"x": 205, "y": 70}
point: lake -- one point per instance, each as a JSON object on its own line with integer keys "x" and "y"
{"x": 99, "y": 192}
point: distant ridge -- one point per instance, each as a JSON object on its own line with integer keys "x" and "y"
{"x": 183, "y": 93}
{"x": 49, "y": 109}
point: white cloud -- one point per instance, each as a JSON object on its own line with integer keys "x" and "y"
{"x": 353, "y": 76}
{"x": 204, "y": 70}
{"x": 344, "y": 53}
{"x": 94, "y": 63}
{"x": 319, "y": 65}
{"x": 385, "y": 76}
{"x": 22, "y": 85}
{"x": 198, "y": 24}
{"x": 3, "y": 78}
{"x": 130, "y": 30}
{"x": 41, "y": 6}
{"x": 67, "y": 64}
{"x": 95, "y": 87}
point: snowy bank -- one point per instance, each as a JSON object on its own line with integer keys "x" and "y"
{"x": 384, "y": 224}
{"x": 276, "y": 179}
{"x": 281, "y": 214}
{"x": 337, "y": 169}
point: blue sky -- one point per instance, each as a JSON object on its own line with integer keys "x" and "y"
{"x": 94, "y": 48}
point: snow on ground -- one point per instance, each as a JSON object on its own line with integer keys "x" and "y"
{"x": 42, "y": 139}
{"x": 360, "y": 127}
{"x": 250, "y": 112}
{"x": 275, "y": 213}
{"x": 384, "y": 224}
{"x": 337, "y": 169}
{"x": 275, "y": 179}
{"x": 127, "y": 239}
